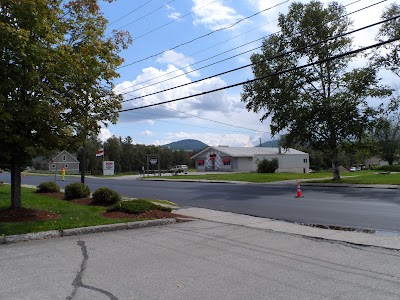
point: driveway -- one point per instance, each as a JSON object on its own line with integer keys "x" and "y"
{"x": 196, "y": 260}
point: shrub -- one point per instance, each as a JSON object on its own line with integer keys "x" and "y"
{"x": 387, "y": 168}
{"x": 137, "y": 207}
{"x": 48, "y": 187}
{"x": 268, "y": 166}
{"x": 105, "y": 196}
{"x": 76, "y": 190}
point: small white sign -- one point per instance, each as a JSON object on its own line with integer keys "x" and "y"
{"x": 108, "y": 168}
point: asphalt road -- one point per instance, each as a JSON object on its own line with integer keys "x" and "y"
{"x": 196, "y": 260}
{"x": 366, "y": 208}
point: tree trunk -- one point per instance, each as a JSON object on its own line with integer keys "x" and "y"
{"x": 83, "y": 164}
{"x": 335, "y": 166}
{"x": 15, "y": 183}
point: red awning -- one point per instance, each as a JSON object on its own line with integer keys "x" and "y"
{"x": 226, "y": 160}
{"x": 200, "y": 161}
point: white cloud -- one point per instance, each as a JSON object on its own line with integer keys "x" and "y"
{"x": 214, "y": 16}
{"x": 361, "y": 18}
{"x": 179, "y": 60}
{"x": 147, "y": 133}
{"x": 216, "y": 101}
{"x": 174, "y": 15}
{"x": 104, "y": 134}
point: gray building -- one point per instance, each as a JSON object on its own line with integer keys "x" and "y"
{"x": 64, "y": 160}
{"x": 245, "y": 159}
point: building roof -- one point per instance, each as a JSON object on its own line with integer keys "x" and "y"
{"x": 250, "y": 151}
{"x": 65, "y": 152}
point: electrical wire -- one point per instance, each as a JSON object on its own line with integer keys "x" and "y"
{"x": 142, "y": 17}
{"x": 205, "y": 119}
{"x": 181, "y": 17}
{"x": 269, "y": 75}
{"x": 198, "y": 126}
{"x": 190, "y": 65}
{"x": 266, "y": 59}
{"x": 200, "y": 37}
{"x": 131, "y": 12}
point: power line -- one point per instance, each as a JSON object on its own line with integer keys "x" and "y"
{"x": 266, "y": 59}
{"x": 200, "y": 37}
{"x": 269, "y": 75}
{"x": 198, "y": 126}
{"x": 132, "y": 11}
{"x": 190, "y": 65}
{"x": 210, "y": 120}
{"x": 181, "y": 17}
{"x": 153, "y": 11}
{"x": 195, "y": 53}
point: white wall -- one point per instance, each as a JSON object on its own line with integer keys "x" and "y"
{"x": 292, "y": 163}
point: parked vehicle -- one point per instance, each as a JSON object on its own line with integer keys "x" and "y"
{"x": 353, "y": 169}
{"x": 179, "y": 169}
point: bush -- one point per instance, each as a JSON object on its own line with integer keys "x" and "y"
{"x": 48, "y": 187}
{"x": 105, "y": 196}
{"x": 268, "y": 166}
{"x": 76, "y": 190}
{"x": 137, "y": 207}
{"x": 387, "y": 168}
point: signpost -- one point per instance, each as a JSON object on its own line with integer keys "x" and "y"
{"x": 153, "y": 163}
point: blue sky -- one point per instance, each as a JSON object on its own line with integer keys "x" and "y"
{"x": 159, "y": 25}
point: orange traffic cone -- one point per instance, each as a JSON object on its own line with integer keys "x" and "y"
{"x": 299, "y": 195}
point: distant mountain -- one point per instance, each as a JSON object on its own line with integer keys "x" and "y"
{"x": 186, "y": 145}
{"x": 270, "y": 144}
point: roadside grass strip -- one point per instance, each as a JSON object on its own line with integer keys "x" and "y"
{"x": 253, "y": 177}
{"x": 71, "y": 215}
{"x": 368, "y": 177}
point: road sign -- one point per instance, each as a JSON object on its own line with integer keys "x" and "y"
{"x": 153, "y": 160}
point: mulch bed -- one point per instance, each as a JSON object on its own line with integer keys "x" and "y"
{"x": 26, "y": 214}
{"x": 151, "y": 214}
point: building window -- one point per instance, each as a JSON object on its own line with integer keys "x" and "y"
{"x": 226, "y": 161}
{"x": 305, "y": 160}
{"x": 200, "y": 162}
{"x": 64, "y": 158}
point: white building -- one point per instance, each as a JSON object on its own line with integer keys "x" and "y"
{"x": 245, "y": 159}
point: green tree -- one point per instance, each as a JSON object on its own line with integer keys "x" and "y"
{"x": 386, "y": 137}
{"x": 55, "y": 83}
{"x": 112, "y": 151}
{"x": 390, "y": 57}
{"x": 322, "y": 105}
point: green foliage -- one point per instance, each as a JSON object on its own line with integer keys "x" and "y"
{"x": 319, "y": 106}
{"x": 56, "y": 80}
{"x": 386, "y": 137}
{"x": 48, "y": 187}
{"x": 105, "y": 196}
{"x": 387, "y": 168}
{"x": 76, "y": 190}
{"x": 268, "y": 165}
{"x": 390, "y": 57}
{"x": 137, "y": 207}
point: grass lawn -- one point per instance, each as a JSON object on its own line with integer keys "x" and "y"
{"x": 71, "y": 215}
{"x": 254, "y": 177}
{"x": 366, "y": 177}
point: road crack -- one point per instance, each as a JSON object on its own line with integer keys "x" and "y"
{"x": 77, "y": 283}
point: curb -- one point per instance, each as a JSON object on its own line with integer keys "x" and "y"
{"x": 8, "y": 239}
